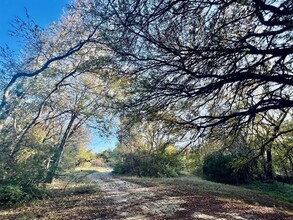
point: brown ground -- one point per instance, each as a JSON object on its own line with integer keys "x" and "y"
{"x": 121, "y": 199}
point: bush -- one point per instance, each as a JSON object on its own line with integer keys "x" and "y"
{"x": 122, "y": 168}
{"x": 14, "y": 193}
{"x": 143, "y": 164}
{"x": 218, "y": 167}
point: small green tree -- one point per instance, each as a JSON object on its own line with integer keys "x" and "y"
{"x": 219, "y": 167}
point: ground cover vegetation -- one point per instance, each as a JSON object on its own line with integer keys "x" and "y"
{"x": 68, "y": 197}
{"x": 202, "y": 86}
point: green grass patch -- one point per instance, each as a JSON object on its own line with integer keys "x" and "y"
{"x": 277, "y": 190}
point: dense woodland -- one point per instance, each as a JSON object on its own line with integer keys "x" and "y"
{"x": 203, "y": 86}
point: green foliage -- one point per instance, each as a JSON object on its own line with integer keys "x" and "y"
{"x": 76, "y": 155}
{"x": 146, "y": 149}
{"x": 219, "y": 167}
{"x": 276, "y": 190}
{"x": 13, "y": 193}
{"x": 161, "y": 164}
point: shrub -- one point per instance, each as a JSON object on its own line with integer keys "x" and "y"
{"x": 218, "y": 167}
{"x": 12, "y": 194}
{"x": 122, "y": 168}
{"x": 152, "y": 165}
{"x": 15, "y": 193}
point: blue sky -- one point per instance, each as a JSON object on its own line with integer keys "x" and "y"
{"x": 43, "y": 12}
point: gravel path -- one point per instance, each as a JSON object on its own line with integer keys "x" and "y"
{"x": 125, "y": 200}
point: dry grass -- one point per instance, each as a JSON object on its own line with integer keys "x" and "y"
{"x": 94, "y": 169}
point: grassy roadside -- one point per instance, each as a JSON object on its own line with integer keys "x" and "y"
{"x": 278, "y": 195}
{"x": 276, "y": 190}
{"x": 71, "y": 196}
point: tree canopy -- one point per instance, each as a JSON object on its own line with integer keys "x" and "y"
{"x": 195, "y": 67}
{"x": 212, "y": 62}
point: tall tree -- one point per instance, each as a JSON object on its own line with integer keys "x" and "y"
{"x": 211, "y": 62}
{"x": 58, "y": 85}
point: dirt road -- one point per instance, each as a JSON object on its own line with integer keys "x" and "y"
{"x": 125, "y": 200}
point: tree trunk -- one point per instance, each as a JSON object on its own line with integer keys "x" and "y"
{"x": 269, "y": 164}
{"x": 59, "y": 151}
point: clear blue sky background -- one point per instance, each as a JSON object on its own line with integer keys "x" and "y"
{"x": 43, "y": 12}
